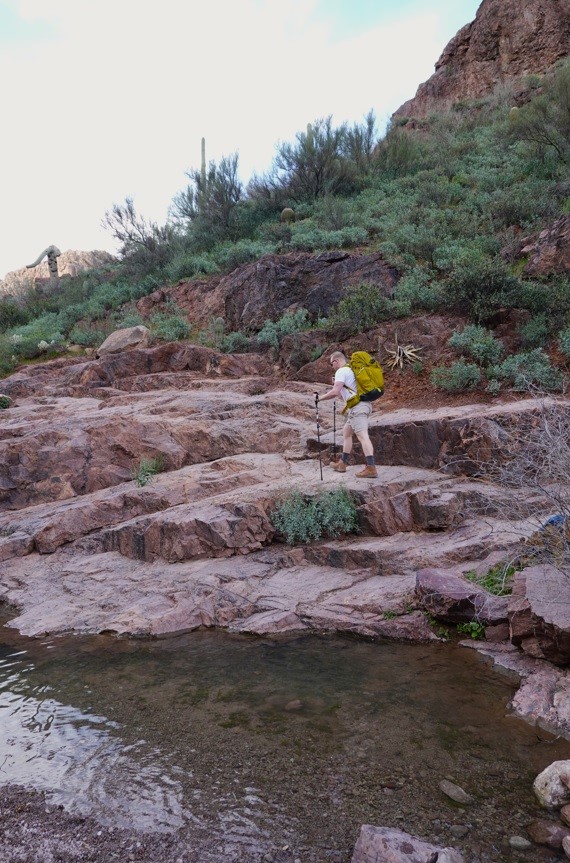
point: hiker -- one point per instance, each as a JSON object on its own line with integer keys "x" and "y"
{"x": 356, "y": 418}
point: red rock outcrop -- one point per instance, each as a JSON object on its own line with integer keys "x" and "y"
{"x": 85, "y": 549}
{"x": 506, "y": 41}
{"x": 267, "y": 288}
{"x": 547, "y": 252}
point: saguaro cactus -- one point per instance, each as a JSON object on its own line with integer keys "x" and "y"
{"x": 52, "y": 253}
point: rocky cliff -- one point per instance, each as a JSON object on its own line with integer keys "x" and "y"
{"x": 507, "y": 41}
{"x": 69, "y": 263}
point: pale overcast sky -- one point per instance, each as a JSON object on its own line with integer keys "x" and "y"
{"x": 101, "y": 99}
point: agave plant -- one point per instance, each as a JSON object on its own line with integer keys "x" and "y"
{"x": 402, "y": 354}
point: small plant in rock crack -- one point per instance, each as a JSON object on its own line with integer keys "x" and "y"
{"x": 473, "y": 629}
{"x": 148, "y": 467}
{"x": 440, "y": 630}
{"x": 498, "y": 580}
{"x": 329, "y": 513}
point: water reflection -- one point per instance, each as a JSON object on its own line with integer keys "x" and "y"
{"x": 300, "y": 740}
{"x": 79, "y": 757}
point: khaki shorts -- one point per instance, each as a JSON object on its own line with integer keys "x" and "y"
{"x": 357, "y": 417}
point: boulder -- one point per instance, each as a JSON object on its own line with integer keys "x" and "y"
{"x": 124, "y": 340}
{"x": 453, "y": 599}
{"x": 549, "y": 833}
{"x": 539, "y": 613}
{"x": 387, "y": 845}
{"x": 552, "y": 785}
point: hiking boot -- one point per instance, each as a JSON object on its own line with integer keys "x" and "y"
{"x": 339, "y": 466}
{"x": 369, "y": 472}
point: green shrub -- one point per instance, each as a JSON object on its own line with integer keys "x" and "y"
{"x": 478, "y": 343}
{"x": 420, "y": 290}
{"x": 148, "y": 467}
{"x": 272, "y": 332}
{"x": 308, "y": 238}
{"x": 535, "y": 332}
{"x": 235, "y": 343}
{"x": 482, "y": 287}
{"x": 87, "y": 337}
{"x": 128, "y": 319}
{"x": 473, "y": 629}
{"x": 186, "y": 265}
{"x": 564, "y": 341}
{"x": 456, "y": 377}
{"x": 4, "y": 402}
{"x": 364, "y": 306}
{"x": 302, "y": 519}
{"x": 12, "y": 314}
{"x": 498, "y": 580}
{"x": 213, "y": 335}
{"x": 228, "y": 256}
{"x": 527, "y": 371}
{"x": 168, "y": 327}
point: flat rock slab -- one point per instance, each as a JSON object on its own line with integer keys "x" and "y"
{"x": 110, "y": 593}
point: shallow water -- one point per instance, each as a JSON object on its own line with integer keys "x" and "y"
{"x": 288, "y": 742}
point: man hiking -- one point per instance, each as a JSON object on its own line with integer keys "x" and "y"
{"x": 356, "y": 418}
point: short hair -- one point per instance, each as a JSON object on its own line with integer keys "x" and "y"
{"x": 337, "y": 355}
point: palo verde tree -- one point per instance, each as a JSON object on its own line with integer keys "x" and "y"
{"x": 544, "y": 123}
{"x": 146, "y": 246}
{"x": 321, "y": 161}
{"x": 206, "y": 207}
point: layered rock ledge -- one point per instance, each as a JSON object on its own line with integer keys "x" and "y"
{"x": 85, "y": 549}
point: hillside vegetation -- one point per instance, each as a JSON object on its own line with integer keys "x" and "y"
{"x": 445, "y": 201}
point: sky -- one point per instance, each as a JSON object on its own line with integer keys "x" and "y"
{"x": 104, "y": 99}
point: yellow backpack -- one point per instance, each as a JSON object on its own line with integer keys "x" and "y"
{"x": 369, "y": 378}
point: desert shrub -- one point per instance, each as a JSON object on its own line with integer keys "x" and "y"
{"x": 272, "y": 332}
{"x": 333, "y": 213}
{"x": 530, "y": 370}
{"x": 147, "y": 468}
{"x": 4, "y": 403}
{"x": 302, "y": 519}
{"x": 213, "y": 335}
{"x": 420, "y": 290}
{"x": 12, "y": 314}
{"x": 235, "y": 343}
{"x": 457, "y": 377}
{"x": 185, "y": 265}
{"x": 481, "y": 287}
{"x": 228, "y": 256}
{"x": 128, "y": 319}
{"x": 498, "y": 580}
{"x": 477, "y": 342}
{"x": 88, "y": 337}
{"x": 168, "y": 326}
{"x": 535, "y": 332}
{"x": 564, "y": 341}
{"x": 39, "y": 336}
{"x": 364, "y": 306}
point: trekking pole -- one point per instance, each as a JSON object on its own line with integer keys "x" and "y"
{"x": 334, "y": 430}
{"x": 318, "y": 433}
